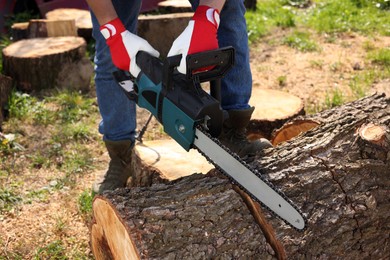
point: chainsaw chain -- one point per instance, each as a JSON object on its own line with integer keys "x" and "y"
{"x": 254, "y": 171}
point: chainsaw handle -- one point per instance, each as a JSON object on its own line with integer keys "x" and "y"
{"x": 220, "y": 60}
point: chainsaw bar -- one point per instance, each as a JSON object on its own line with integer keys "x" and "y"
{"x": 248, "y": 179}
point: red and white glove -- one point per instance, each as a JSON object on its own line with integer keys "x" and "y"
{"x": 200, "y": 35}
{"x": 124, "y": 46}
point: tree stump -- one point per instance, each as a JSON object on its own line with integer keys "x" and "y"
{"x": 337, "y": 174}
{"x": 82, "y": 19}
{"x": 5, "y": 91}
{"x": 44, "y": 63}
{"x": 50, "y": 28}
{"x": 161, "y": 30}
{"x": 175, "y": 6}
{"x": 19, "y": 31}
{"x": 273, "y": 108}
{"x": 161, "y": 161}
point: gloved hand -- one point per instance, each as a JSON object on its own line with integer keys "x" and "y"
{"x": 124, "y": 46}
{"x": 200, "y": 35}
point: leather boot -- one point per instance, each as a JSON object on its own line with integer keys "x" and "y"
{"x": 234, "y": 136}
{"x": 119, "y": 167}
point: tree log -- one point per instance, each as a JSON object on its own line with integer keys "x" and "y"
{"x": 44, "y": 63}
{"x": 161, "y": 161}
{"x": 161, "y": 30}
{"x": 174, "y": 6}
{"x": 336, "y": 173}
{"x": 5, "y": 91}
{"x": 51, "y": 28}
{"x": 82, "y": 19}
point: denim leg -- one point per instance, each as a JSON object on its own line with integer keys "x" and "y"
{"x": 236, "y": 86}
{"x": 117, "y": 111}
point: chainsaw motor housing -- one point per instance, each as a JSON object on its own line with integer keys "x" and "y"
{"x": 178, "y": 101}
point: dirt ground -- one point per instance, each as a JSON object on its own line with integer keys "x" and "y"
{"x": 307, "y": 75}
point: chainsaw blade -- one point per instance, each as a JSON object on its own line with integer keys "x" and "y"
{"x": 248, "y": 179}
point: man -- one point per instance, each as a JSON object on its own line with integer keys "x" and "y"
{"x": 214, "y": 24}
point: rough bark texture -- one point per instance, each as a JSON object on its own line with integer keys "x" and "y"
{"x": 19, "y": 31}
{"x": 5, "y": 91}
{"x": 197, "y": 217}
{"x": 334, "y": 173}
{"x": 43, "y": 63}
{"x": 339, "y": 182}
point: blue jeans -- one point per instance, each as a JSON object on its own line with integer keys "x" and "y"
{"x": 119, "y": 113}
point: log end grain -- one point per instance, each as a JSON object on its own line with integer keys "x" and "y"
{"x": 292, "y": 129}
{"x": 273, "y": 108}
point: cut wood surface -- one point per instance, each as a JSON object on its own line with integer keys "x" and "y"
{"x": 167, "y": 160}
{"x": 338, "y": 180}
{"x": 82, "y": 19}
{"x": 175, "y": 6}
{"x": 292, "y": 129}
{"x": 273, "y": 108}
{"x": 44, "y": 63}
{"x": 51, "y": 28}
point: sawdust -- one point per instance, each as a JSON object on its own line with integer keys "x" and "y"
{"x": 309, "y": 75}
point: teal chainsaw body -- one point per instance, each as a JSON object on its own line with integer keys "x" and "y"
{"x": 178, "y": 101}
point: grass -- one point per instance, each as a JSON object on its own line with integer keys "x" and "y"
{"x": 301, "y": 41}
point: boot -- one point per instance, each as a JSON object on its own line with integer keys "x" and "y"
{"x": 234, "y": 136}
{"x": 119, "y": 167}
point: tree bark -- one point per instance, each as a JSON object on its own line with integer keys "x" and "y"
{"x": 337, "y": 174}
{"x": 43, "y": 63}
{"x": 5, "y": 91}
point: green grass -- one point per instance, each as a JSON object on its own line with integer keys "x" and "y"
{"x": 55, "y": 250}
{"x": 8, "y": 199}
{"x": 301, "y": 41}
{"x": 334, "y": 98}
{"x": 336, "y": 16}
{"x": 324, "y": 16}
{"x": 380, "y": 57}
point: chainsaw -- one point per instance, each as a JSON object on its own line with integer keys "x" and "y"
{"x": 194, "y": 118}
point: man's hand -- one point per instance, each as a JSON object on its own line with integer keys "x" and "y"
{"x": 124, "y": 46}
{"x": 200, "y": 35}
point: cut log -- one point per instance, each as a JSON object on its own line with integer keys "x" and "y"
{"x": 176, "y": 221}
{"x": 273, "y": 108}
{"x": 44, "y": 63}
{"x": 341, "y": 187}
{"x": 164, "y": 160}
{"x": 19, "y": 31}
{"x": 51, "y": 28}
{"x": 82, "y": 19}
{"x": 175, "y": 6}
{"x": 5, "y": 91}
{"x": 161, "y": 30}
